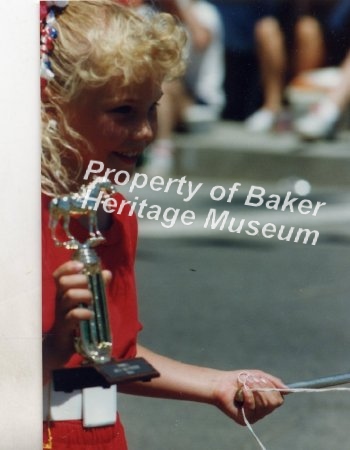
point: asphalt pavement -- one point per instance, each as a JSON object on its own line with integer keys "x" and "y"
{"x": 231, "y": 300}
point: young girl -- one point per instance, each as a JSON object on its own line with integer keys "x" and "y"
{"x": 103, "y": 67}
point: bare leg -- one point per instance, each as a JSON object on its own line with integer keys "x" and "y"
{"x": 171, "y": 108}
{"x": 160, "y": 159}
{"x": 272, "y": 58}
{"x": 309, "y": 51}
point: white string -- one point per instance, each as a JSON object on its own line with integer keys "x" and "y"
{"x": 244, "y": 377}
{"x": 250, "y": 428}
{"x": 300, "y": 390}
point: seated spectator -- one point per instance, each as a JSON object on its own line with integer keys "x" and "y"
{"x": 273, "y": 65}
{"x": 287, "y": 44}
{"x": 241, "y": 81}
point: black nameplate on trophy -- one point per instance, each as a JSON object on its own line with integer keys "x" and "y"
{"x": 104, "y": 375}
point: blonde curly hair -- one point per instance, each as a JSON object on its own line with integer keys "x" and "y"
{"x": 99, "y": 40}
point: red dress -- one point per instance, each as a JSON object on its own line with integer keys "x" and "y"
{"x": 118, "y": 256}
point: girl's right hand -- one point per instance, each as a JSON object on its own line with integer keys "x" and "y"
{"x": 72, "y": 294}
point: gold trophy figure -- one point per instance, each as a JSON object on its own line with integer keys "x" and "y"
{"x": 94, "y": 341}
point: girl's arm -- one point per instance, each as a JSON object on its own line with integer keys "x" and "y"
{"x": 201, "y": 384}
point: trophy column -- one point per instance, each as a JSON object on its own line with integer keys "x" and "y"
{"x": 95, "y": 340}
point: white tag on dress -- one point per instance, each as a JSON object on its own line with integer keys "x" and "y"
{"x": 99, "y": 406}
{"x": 65, "y": 406}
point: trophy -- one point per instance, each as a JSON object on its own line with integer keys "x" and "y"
{"x": 94, "y": 340}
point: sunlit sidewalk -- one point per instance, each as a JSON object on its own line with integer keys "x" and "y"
{"x": 227, "y": 150}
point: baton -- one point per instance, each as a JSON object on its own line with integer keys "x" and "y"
{"x": 317, "y": 383}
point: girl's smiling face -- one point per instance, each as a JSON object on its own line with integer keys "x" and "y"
{"x": 117, "y": 123}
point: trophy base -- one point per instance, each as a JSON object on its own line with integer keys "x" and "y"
{"x": 104, "y": 375}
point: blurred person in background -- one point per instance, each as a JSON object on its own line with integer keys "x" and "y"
{"x": 324, "y": 117}
{"x": 322, "y": 121}
{"x": 198, "y": 98}
{"x": 291, "y": 41}
{"x": 242, "y": 80}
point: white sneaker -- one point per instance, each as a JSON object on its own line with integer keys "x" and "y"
{"x": 262, "y": 121}
{"x": 320, "y": 122}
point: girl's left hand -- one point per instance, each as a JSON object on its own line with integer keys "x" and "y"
{"x": 257, "y": 404}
